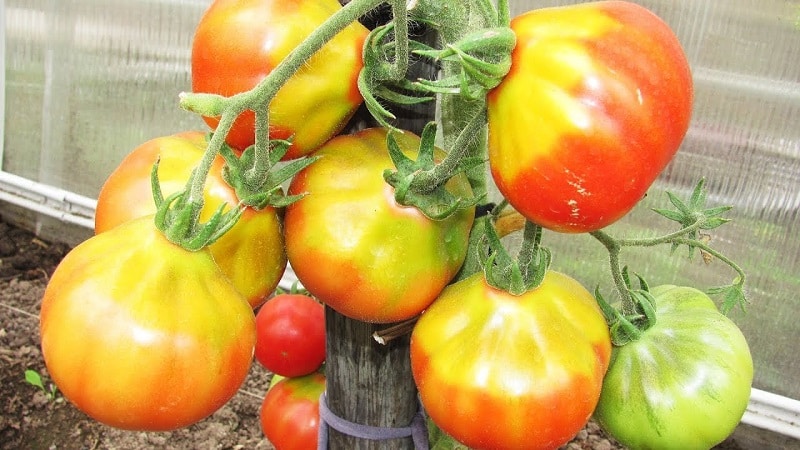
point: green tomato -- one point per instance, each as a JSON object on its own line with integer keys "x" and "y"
{"x": 684, "y": 384}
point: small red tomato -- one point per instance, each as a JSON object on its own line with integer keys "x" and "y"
{"x": 290, "y": 412}
{"x": 291, "y": 335}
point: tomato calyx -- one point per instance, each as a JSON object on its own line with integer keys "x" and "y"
{"x": 421, "y": 182}
{"x": 628, "y": 327}
{"x": 483, "y": 58}
{"x": 520, "y": 274}
{"x": 256, "y": 176}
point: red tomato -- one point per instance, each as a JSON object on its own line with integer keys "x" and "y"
{"x": 596, "y": 104}
{"x": 238, "y": 42}
{"x": 498, "y": 371}
{"x": 251, "y": 253}
{"x": 354, "y": 248}
{"x": 291, "y": 335}
{"x": 142, "y": 334}
{"x": 290, "y": 412}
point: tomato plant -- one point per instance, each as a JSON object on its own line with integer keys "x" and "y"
{"x": 251, "y": 254}
{"x": 291, "y": 335}
{"x": 596, "y": 103}
{"x": 290, "y": 412}
{"x": 684, "y": 383}
{"x": 141, "y": 334}
{"x": 499, "y": 371}
{"x": 354, "y": 248}
{"x": 237, "y": 43}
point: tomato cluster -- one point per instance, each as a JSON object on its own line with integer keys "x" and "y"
{"x": 142, "y": 331}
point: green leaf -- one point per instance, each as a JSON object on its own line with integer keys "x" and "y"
{"x": 33, "y": 378}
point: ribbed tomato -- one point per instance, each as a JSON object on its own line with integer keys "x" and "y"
{"x": 596, "y": 104}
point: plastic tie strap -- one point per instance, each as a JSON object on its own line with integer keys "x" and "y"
{"x": 417, "y": 430}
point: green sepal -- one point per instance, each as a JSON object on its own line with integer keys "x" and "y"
{"x": 432, "y": 199}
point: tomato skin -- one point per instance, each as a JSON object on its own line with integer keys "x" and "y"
{"x": 238, "y": 42}
{"x": 497, "y": 371}
{"x": 596, "y": 104}
{"x": 141, "y": 334}
{"x": 290, "y": 412}
{"x": 291, "y": 335}
{"x": 251, "y": 253}
{"x": 354, "y": 248}
{"x": 684, "y": 384}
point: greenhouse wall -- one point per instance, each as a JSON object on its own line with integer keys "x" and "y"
{"x": 86, "y": 81}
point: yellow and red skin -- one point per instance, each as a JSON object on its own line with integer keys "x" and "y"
{"x": 596, "y": 104}
{"x": 289, "y": 414}
{"x": 498, "y": 371}
{"x": 251, "y": 253}
{"x": 239, "y": 42}
{"x": 354, "y": 248}
{"x": 141, "y": 334}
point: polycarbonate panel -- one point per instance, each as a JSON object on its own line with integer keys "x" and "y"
{"x": 88, "y": 80}
{"x": 745, "y": 140}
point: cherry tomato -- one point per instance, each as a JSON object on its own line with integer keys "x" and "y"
{"x": 291, "y": 335}
{"x": 685, "y": 383}
{"x": 498, "y": 371}
{"x": 290, "y": 412}
{"x": 142, "y": 334}
{"x": 251, "y": 253}
{"x": 239, "y": 42}
{"x": 596, "y": 104}
{"x": 354, "y": 248}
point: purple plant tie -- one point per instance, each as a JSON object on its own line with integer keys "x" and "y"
{"x": 418, "y": 429}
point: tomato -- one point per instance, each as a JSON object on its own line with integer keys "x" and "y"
{"x": 251, "y": 253}
{"x": 239, "y": 42}
{"x": 498, "y": 371}
{"x": 596, "y": 104}
{"x": 291, "y": 335}
{"x": 142, "y": 334}
{"x": 684, "y": 384}
{"x": 354, "y": 248}
{"x": 290, "y": 412}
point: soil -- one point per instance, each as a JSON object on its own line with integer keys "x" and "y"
{"x": 32, "y": 420}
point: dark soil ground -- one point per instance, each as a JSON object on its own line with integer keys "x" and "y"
{"x": 32, "y": 420}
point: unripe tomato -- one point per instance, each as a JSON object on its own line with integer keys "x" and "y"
{"x": 142, "y": 334}
{"x": 251, "y": 253}
{"x": 239, "y": 42}
{"x": 684, "y": 384}
{"x": 498, "y": 371}
{"x": 290, "y": 412}
{"x": 596, "y": 104}
{"x": 291, "y": 335}
{"x": 358, "y": 251}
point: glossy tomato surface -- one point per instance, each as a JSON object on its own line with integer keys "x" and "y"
{"x": 354, "y": 248}
{"x": 597, "y": 102}
{"x": 290, "y": 412}
{"x": 141, "y": 334}
{"x": 685, "y": 383}
{"x": 251, "y": 253}
{"x": 239, "y": 42}
{"x": 291, "y": 335}
{"x": 498, "y": 371}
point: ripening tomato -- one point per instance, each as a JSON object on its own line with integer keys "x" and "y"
{"x": 251, "y": 253}
{"x": 498, "y": 371}
{"x": 291, "y": 335}
{"x": 290, "y": 412}
{"x": 596, "y": 104}
{"x": 142, "y": 334}
{"x": 239, "y": 42}
{"x": 684, "y": 384}
{"x": 354, "y": 248}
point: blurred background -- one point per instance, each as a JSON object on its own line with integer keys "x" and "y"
{"x": 86, "y": 81}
